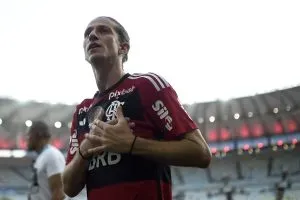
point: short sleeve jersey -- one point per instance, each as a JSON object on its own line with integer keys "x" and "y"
{"x": 149, "y": 101}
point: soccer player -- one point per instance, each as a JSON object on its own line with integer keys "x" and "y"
{"x": 105, "y": 155}
{"x": 48, "y": 165}
{"x": 283, "y": 185}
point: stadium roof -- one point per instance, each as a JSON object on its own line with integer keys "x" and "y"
{"x": 252, "y": 116}
{"x": 274, "y": 112}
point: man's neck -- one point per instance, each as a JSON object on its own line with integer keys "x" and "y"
{"x": 107, "y": 76}
{"x": 42, "y": 146}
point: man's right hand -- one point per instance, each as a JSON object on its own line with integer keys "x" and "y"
{"x": 86, "y": 144}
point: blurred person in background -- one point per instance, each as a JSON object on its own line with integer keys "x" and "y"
{"x": 280, "y": 187}
{"x": 228, "y": 190}
{"x": 105, "y": 155}
{"x": 284, "y": 184}
{"x": 47, "y": 166}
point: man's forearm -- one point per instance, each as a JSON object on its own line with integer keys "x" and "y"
{"x": 179, "y": 153}
{"x": 58, "y": 195}
{"x": 74, "y": 176}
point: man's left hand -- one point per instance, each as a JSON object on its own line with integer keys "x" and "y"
{"x": 113, "y": 138}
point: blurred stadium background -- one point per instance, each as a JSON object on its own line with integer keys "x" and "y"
{"x": 253, "y": 140}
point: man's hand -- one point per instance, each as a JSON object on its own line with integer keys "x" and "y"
{"x": 87, "y": 147}
{"x": 113, "y": 137}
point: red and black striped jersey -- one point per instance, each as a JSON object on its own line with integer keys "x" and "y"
{"x": 149, "y": 101}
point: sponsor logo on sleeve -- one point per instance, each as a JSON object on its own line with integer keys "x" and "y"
{"x": 73, "y": 143}
{"x": 163, "y": 113}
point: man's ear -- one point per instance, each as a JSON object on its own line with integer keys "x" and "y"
{"x": 124, "y": 48}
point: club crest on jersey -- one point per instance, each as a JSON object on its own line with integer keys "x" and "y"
{"x": 111, "y": 111}
{"x": 118, "y": 93}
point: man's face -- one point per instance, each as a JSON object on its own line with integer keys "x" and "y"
{"x": 100, "y": 40}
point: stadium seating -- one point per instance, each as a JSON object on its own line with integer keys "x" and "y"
{"x": 246, "y": 119}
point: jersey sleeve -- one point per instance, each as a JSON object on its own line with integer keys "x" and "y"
{"x": 164, "y": 108}
{"x": 74, "y": 142}
{"x": 55, "y": 164}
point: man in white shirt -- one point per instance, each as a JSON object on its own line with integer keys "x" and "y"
{"x": 47, "y": 167}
